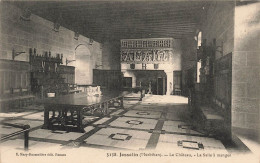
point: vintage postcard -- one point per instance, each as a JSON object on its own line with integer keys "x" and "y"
{"x": 129, "y": 81}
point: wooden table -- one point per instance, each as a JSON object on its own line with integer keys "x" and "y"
{"x": 67, "y": 112}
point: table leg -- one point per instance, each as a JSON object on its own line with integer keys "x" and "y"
{"x": 53, "y": 113}
{"x": 64, "y": 119}
{"x": 46, "y": 118}
{"x": 79, "y": 119}
{"x": 122, "y": 102}
{"x": 106, "y": 107}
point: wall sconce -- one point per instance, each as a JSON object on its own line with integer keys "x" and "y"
{"x": 26, "y": 14}
{"x": 221, "y": 48}
{"x": 76, "y": 35}
{"x": 96, "y": 66}
{"x": 68, "y": 61}
{"x": 91, "y": 41}
{"x": 15, "y": 54}
{"x": 56, "y": 27}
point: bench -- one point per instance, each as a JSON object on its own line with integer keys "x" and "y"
{"x": 15, "y": 98}
{"x": 215, "y": 118}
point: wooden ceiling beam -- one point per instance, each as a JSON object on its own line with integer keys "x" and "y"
{"x": 155, "y": 9}
{"x": 137, "y": 26}
{"x": 117, "y": 5}
{"x": 144, "y": 28}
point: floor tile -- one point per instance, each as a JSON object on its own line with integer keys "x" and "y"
{"x": 42, "y": 133}
{"x": 102, "y": 120}
{"x": 117, "y": 112}
{"x": 137, "y": 139}
{"x": 135, "y": 123}
{"x": 135, "y": 134}
{"x": 66, "y": 136}
{"x": 179, "y": 127}
{"x": 124, "y": 119}
{"x": 149, "y": 108}
{"x": 24, "y": 122}
{"x": 88, "y": 128}
{"x": 173, "y": 116}
{"x": 8, "y": 129}
{"x": 207, "y": 142}
{"x": 15, "y": 114}
{"x": 37, "y": 116}
{"x": 144, "y": 114}
{"x": 165, "y": 146}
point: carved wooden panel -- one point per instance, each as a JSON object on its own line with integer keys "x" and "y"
{"x": 147, "y": 43}
{"x": 146, "y": 56}
{"x": 223, "y": 77}
{"x": 155, "y": 50}
{"x": 48, "y": 76}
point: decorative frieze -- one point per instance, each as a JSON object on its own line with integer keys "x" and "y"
{"x": 147, "y": 43}
{"x": 146, "y": 56}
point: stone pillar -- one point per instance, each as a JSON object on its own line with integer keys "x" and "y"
{"x": 169, "y": 82}
{"x": 133, "y": 81}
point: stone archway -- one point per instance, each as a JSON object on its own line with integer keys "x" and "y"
{"x": 83, "y": 65}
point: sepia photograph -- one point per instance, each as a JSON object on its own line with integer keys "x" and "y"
{"x": 93, "y": 81}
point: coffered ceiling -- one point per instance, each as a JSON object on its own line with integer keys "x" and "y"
{"x": 106, "y": 20}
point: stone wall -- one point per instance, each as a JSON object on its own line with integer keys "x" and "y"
{"x": 218, "y": 23}
{"x": 246, "y": 68}
{"x": 237, "y": 26}
{"x": 38, "y": 33}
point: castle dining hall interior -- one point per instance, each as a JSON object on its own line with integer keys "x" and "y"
{"x": 178, "y": 76}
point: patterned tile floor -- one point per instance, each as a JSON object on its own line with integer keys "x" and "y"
{"x": 122, "y": 138}
{"x": 157, "y": 122}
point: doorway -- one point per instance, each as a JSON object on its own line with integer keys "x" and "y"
{"x": 177, "y": 82}
{"x": 161, "y": 86}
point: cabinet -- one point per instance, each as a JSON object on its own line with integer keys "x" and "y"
{"x": 109, "y": 79}
{"x": 48, "y": 75}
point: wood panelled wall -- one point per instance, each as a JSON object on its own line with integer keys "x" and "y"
{"x": 223, "y": 90}
{"x": 223, "y": 79}
{"x": 15, "y": 87}
{"x": 108, "y": 79}
{"x": 14, "y": 75}
{"x": 68, "y": 73}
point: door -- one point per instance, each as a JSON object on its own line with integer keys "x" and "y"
{"x": 177, "y": 80}
{"x": 161, "y": 86}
